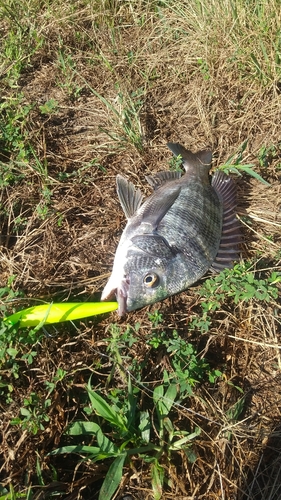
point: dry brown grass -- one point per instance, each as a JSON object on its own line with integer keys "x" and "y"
{"x": 202, "y": 81}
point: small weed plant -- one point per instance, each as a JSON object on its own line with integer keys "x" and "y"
{"x": 188, "y": 369}
{"x": 235, "y": 165}
{"x": 125, "y": 428}
{"x": 239, "y": 284}
{"x": 13, "y": 132}
{"x": 131, "y": 434}
{"x": 34, "y": 412}
{"x": 17, "y": 346}
{"x": 175, "y": 163}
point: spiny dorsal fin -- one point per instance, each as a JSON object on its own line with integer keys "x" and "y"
{"x": 161, "y": 178}
{"x": 191, "y": 160}
{"x": 130, "y": 197}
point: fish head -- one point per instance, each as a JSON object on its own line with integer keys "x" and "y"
{"x": 142, "y": 274}
{"x": 146, "y": 285}
{"x": 140, "y": 286}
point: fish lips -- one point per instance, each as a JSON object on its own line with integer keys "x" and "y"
{"x": 121, "y": 293}
{"x": 122, "y": 296}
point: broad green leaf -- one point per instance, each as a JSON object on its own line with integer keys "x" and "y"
{"x": 103, "y": 409}
{"x": 112, "y": 478}
{"x": 165, "y": 402}
{"x": 132, "y": 400}
{"x": 90, "y": 428}
{"x": 12, "y": 352}
{"x": 157, "y": 476}
{"x": 250, "y": 278}
{"x": 91, "y": 450}
{"x": 169, "y": 397}
{"x": 83, "y": 428}
{"x": 106, "y": 446}
{"x": 25, "y": 412}
{"x": 145, "y": 426}
{"x": 158, "y": 393}
{"x": 169, "y": 427}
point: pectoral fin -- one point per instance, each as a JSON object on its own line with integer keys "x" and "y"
{"x": 130, "y": 197}
{"x": 157, "y": 205}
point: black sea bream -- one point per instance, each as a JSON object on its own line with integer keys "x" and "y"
{"x": 186, "y": 227}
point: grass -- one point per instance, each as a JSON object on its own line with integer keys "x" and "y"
{"x": 178, "y": 400}
{"x": 131, "y": 431}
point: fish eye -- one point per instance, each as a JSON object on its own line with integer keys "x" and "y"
{"x": 151, "y": 280}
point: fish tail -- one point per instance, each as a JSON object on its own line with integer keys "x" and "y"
{"x": 192, "y": 162}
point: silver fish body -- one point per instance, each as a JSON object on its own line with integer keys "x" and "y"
{"x": 187, "y": 226}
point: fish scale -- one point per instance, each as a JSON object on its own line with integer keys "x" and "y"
{"x": 186, "y": 227}
{"x": 194, "y": 224}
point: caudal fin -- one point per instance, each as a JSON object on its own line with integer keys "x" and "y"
{"x": 191, "y": 161}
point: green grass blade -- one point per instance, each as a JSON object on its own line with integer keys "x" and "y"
{"x": 165, "y": 402}
{"x": 253, "y": 173}
{"x": 132, "y": 403}
{"x": 248, "y": 169}
{"x": 180, "y": 443}
{"x": 235, "y": 411}
{"x": 157, "y": 476}
{"x": 106, "y": 446}
{"x": 145, "y": 426}
{"x": 112, "y": 478}
{"x": 104, "y": 410}
{"x": 83, "y": 428}
{"x": 39, "y": 472}
{"x": 91, "y": 450}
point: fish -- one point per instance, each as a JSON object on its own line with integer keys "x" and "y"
{"x": 186, "y": 227}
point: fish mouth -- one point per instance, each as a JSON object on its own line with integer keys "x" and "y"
{"x": 121, "y": 293}
{"x": 122, "y": 296}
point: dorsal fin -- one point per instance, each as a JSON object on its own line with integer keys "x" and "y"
{"x": 231, "y": 231}
{"x": 130, "y": 197}
{"x": 191, "y": 161}
{"x": 161, "y": 178}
